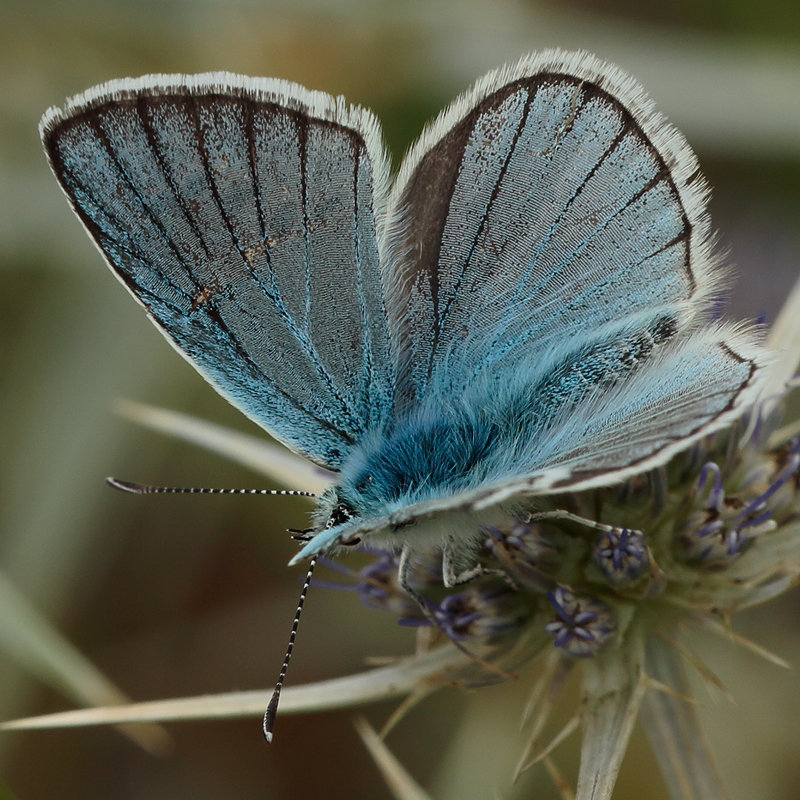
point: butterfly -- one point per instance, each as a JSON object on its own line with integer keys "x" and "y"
{"x": 526, "y": 310}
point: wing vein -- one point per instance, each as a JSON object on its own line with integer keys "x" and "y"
{"x": 441, "y": 316}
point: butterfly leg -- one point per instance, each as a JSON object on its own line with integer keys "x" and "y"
{"x": 403, "y": 578}
{"x": 566, "y": 515}
{"x": 429, "y": 610}
{"x": 451, "y": 578}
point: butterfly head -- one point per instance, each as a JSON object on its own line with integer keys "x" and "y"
{"x": 335, "y": 522}
{"x": 339, "y": 512}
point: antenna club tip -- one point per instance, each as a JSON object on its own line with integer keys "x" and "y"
{"x": 123, "y": 486}
{"x": 269, "y": 721}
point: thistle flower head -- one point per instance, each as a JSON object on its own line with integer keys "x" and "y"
{"x": 583, "y": 626}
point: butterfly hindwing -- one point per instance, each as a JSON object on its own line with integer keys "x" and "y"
{"x": 702, "y": 384}
{"x": 242, "y": 214}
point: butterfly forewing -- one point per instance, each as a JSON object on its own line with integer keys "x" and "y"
{"x": 538, "y": 211}
{"x": 242, "y": 215}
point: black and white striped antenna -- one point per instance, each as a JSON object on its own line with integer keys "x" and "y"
{"x": 139, "y": 488}
{"x": 272, "y": 708}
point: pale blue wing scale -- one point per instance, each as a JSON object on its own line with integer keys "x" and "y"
{"x": 559, "y": 217}
{"x": 247, "y": 229}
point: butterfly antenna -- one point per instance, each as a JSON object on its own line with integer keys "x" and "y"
{"x": 140, "y": 488}
{"x": 272, "y": 708}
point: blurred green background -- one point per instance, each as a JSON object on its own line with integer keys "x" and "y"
{"x": 184, "y": 596}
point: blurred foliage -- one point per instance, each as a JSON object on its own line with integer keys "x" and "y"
{"x": 771, "y": 19}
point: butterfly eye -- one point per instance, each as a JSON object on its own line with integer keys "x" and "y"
{"x": 341, "y": 513}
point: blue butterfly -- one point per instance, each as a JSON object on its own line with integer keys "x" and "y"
{"x": 525, "y": 311}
